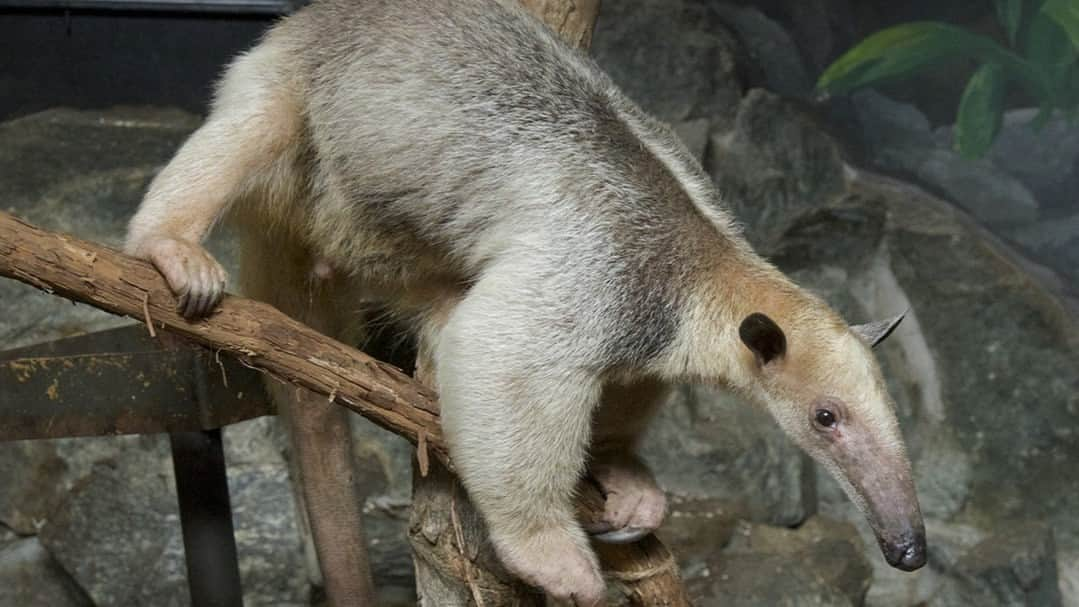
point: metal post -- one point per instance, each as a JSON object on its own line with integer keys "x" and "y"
{"x": 213, "y": 570}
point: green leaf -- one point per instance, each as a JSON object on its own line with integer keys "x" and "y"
{"x": 1071, "y": 89}
{"x": 980, "y": 111}
{"x": 1010, "y": 15}
{"x": 903, "y": 49}
{"x": 1050, "y": 52}
{"x": 1066, "y": 15}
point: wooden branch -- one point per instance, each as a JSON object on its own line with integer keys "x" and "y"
{"x": 262, "y": 337}
{"x": 256, "y": 333}
{"x": 574, "y": 20}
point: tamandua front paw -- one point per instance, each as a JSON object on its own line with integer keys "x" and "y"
{"x": 634, "y": 504}
{"x": 193, "y": 275}
{"x": 566, "y": 570}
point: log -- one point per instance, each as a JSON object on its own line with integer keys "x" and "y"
{"x": 263, "y": 338}
{"x": 257, "y": 334}
{"x": 574, "y": 20}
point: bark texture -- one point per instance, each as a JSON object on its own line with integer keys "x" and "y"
{"x": 574, "y": 20}
{"x": 257, "y": 334}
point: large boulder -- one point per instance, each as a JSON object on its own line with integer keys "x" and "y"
{"x": 118, "y": 533}
{"x": 697, "y": 528}
{"x": 1014, "y": 567}
{"x": 1045, "y": 159}
{"x": 676, "y": 58}
{"x": 706, "y": 444}
{"x": 896, "y": 138}
{"x": 770, "y": 52}
{"x": 30, "y": 577}
{"x": 820, "y": 563}
{"x": 82, "y": 173}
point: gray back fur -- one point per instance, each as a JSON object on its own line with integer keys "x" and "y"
{"x": 448, "y": 134}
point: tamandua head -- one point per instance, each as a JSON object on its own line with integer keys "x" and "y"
{"x": 823, "y": 385}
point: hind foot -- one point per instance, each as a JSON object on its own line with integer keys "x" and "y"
{"x": 634, "y": 506}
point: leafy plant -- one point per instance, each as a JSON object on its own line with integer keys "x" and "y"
{"x": 1042, "y": 56}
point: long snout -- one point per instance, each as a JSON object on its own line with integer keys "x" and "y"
{"x": 907, "y": 553}
{"x": 882, "y": 485}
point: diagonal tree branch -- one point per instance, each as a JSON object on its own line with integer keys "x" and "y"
{"x": 264, "y": 338}
{"x": 256, "y": 333}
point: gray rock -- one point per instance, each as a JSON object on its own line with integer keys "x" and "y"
{"x": 946, "y": 468}
{"x": 1054, "y": 242}
{"x": 30, "y": 578}
{"x": 694, "y": 134}
{"x": 60, "y": 163}
{"x": 696, "y": 528}
{"x": 674, "y": 57}
{"x": 84, "y": 173}
{"x": 262, "y": 441}
{"x": 383, "y": 461}
{"x": 978, "y": 186}
{"x": 820, "y": 563}
{"x": 1049, "y": 237}
{"x": 255, "y": 451}
{"x": 951, "y": 542}
{"x": 899, "y": 140}
{"x": 118, "y": 533}
{"x": 886, "y": 124}
{"x": 268, "y": 537}
{"x": 386, "y": 523}
{"x": 998, "y": 339}
{"x": 1045, "y": 160}
{"x": 119, "y": 536}
{"x": 1014, "y": 567}
{"x": 37, "y": 475}
{"x": 1068, "y": 574}
{"x": 770, "y": 48}
{"x": 268, "y": 541}
{"x": 29, "y": 471}
{"x": 822, "y": 29}
{"x": 706, "y": 444}
{"x": 774, "y": 167}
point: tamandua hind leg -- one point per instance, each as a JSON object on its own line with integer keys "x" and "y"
{"x": 634, "y": 503}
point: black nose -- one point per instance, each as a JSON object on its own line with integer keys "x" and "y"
{"x": 907, "y": 555}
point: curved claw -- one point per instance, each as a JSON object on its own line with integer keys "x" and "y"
{"x": 625, "y": 535}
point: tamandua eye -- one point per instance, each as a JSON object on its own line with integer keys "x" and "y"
{"x": 825, "y": 418}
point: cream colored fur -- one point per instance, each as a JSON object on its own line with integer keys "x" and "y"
{"x": 547, "y": 241}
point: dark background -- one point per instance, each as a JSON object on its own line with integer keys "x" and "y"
{"x": 96, "y": 59}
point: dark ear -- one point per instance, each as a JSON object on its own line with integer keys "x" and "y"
{"x": 762, "y": 335}
{"x": 874, "y": 332}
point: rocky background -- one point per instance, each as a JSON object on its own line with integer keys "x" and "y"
{"x": 858, "y": 198}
